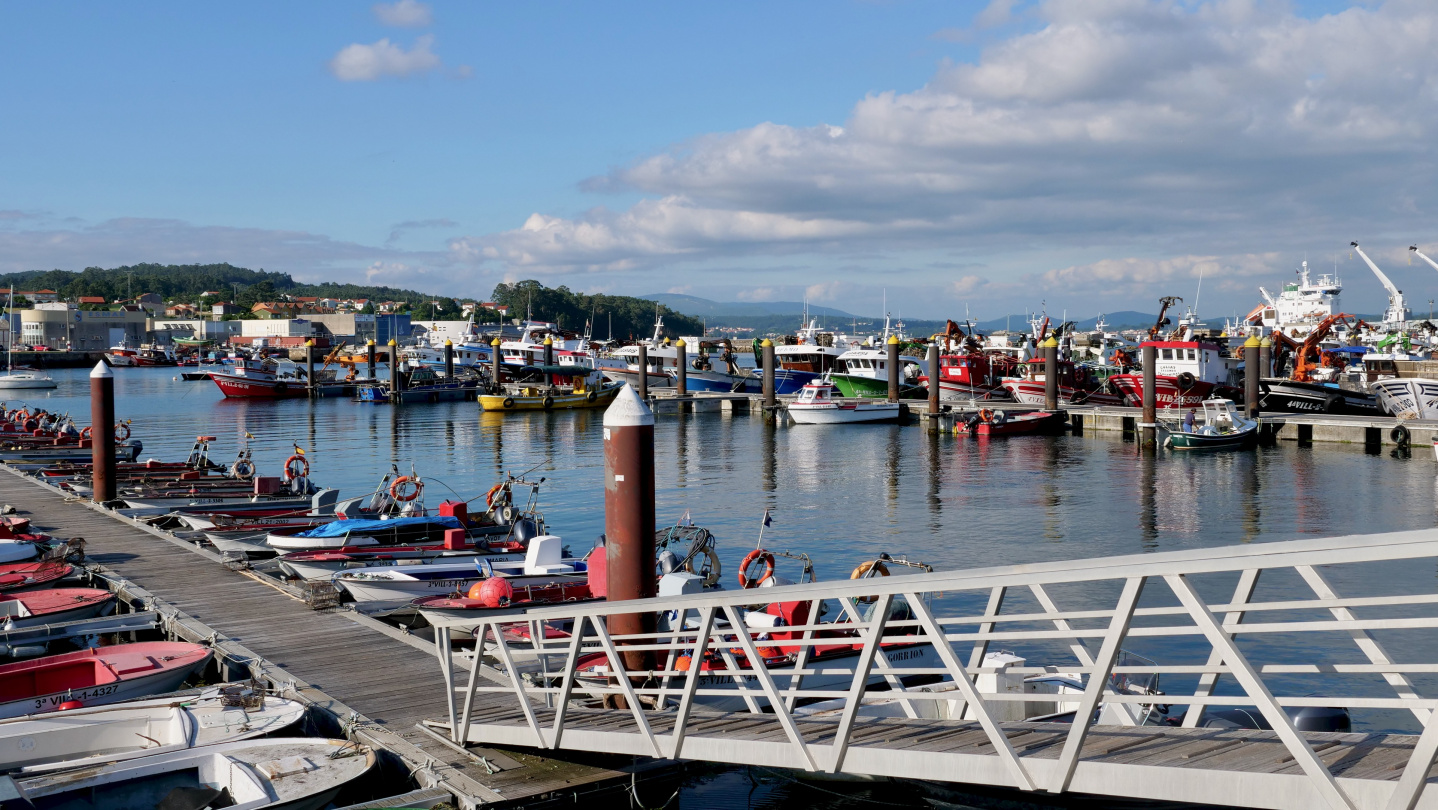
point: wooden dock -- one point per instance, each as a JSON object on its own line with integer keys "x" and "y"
{"x": 373, "y": 680}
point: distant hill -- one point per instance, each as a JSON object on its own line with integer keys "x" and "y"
{"x": 704, "y": 308}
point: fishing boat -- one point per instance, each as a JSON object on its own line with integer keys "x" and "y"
{"x": 995, "y": 422}
{"x": 1076, "y": 385}
{"x": 397, "y": 531}
{"x": 300, "y": 773}
{"x": 550, "y": 398}
{"x": 121, "y": 355}
{"x": 1312, "y": 386}
{"x": 806, "y": 355}
{"x": 1407, "y": 398}
{"x": 262, "y": 379}
{"x": 1187, "y": 371}
{"x": 816, "y": 406}
{"x": 1219, "y": 428}
{"x": 29, "y": 608}
{"x": 660, "y": 353}
{"x": 13, "y": 452}
{"x": 325, "y": 563}
{"x": 86, "y": 737}
{"x": 97, "y": 676}
{"x": 15, "y": 549}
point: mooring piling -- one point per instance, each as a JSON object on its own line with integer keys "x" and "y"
{"x": 681, "y": 368}
{"x": 1251, "y": 348}
{"x": 893, "y": 347}
{"x": 1051, "y": 374}
{"x": 102, "y": 433}
{"x": 1149, "y": 358}
{"x": 629, "y": 515}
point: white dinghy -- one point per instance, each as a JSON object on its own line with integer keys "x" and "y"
{"x": 84, "y": 737}
{"x": 274, "y": 774}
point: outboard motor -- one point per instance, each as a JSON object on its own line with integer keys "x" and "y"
{"x": 1305, "y": 718}
{"x": 525, "y": 530}
{"x": 668, "y": 562}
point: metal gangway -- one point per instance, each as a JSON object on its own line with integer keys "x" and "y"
{"x": 1261, "y": 627}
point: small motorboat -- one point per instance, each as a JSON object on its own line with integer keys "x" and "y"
{"x": 17, "y": 550}
{"x": 81, "y": 738}
{"x": 400, "y": 531}
{"x": 816, "y": 406}
{"x": 1220, "y": 428}
{"x": 97, "y": 676}
{"x": 14, "y": 576}
{"x": 29, "y": 608}
{"x": 324, "y": 563}
{"x": 995, "y": 422}
{"x": 299, "y": 773}
{"x": 501, "y": 597}
{"x": 551, "y": 398}
{"x": 543, "y": 564}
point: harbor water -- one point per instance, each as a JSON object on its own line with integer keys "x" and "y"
{"x": 844, "y": 494}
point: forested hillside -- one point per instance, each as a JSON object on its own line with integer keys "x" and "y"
{"x": 620, "y": 315}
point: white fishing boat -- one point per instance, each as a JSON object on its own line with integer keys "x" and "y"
{"x": 1407, "y": 398}
{"x": 97, "y": 676}
{"x": 816, "y": 406}
{"x": 543, "y": 564}
{"x": 17, "y": 551}
{"x": 82, "y": 738}
{"x": 274, "y": 774}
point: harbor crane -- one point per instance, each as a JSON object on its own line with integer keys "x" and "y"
{"x": 1397, "y": 313}
{"x": 1421, "y": 255}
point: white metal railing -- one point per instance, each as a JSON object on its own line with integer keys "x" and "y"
{"x": 880, "y": 617}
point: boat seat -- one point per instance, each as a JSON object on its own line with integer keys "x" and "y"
{"x": 545, "y": 555}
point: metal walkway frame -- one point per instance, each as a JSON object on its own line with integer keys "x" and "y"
{"x": 1282, "y": 768}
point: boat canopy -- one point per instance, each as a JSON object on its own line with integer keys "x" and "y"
{"x": 340, "y": 528}
{"x": 1348, "y": 350}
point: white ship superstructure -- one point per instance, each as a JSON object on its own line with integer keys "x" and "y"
{"x": 1298, "y": 307}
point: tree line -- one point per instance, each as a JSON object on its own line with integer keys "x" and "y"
{"x": 619, "y": 316}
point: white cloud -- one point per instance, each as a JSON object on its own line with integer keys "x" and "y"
{"x": 366, "y": 63}
{"x": 760, "y": 294}
{"x": 826, "y": 291}
{"x": 404, "y": 14}
{"x": 1128, "y": 128}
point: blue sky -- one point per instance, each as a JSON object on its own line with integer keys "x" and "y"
{"x": 1089, "y": 154}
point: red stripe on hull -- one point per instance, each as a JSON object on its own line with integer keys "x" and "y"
{"x": 251, "y": 389}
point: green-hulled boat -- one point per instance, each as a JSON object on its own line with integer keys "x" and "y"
{"x": 855, "y": 385}
{"x": 1219, "y": 428}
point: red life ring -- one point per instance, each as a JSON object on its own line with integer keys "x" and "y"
{"x": 756, "y": 554}
{"x": 394, "y": 489}
{"x": 489, "y": 496}
{"x": 304, "y": 464}
{"x": 85, "y": 432}
{"x": 122, "y": 431}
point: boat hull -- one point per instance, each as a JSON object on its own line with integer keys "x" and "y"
{"x": 595, "y": 398}
{"x": 961, "y": 392}
{"x": 1288, "y": 396}
{"x": 843, "y": 414}
{"x": 237, "y": 387}
{"x": 170, "y": 664}
{"x": 855, "y": 386}
{"x": 1028, "y": 392}
{"x": 1016, "y": 425}
{"x": 624, "y": 375}
{"x": 365, "y": 586}
{"x": 1178, "y": 440}
{"x": 1408, "y": 398}
{"x": 1168, "y": 393}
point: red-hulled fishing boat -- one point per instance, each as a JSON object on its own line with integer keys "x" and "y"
{"x": 97, "y": 676}
{"x": 1077, "y": 385}
{"x": 259, "y": 379}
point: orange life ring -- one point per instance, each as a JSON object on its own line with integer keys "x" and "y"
{"x": 85, "y": 432}
{"x": 489, "y": 496}
{"x": 394, "y": 489}
{"x": 21, "y": 415}
{"x": 986, "y": 415}
{"x": 756, "y": 554}
{"x": 304, "y": 464}
{"x": 863, "y": 569}
{"x": 122, "y": 432}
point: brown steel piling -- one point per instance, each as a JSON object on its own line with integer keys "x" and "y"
{"x": 629, "y": 515}
{"x": 893, "y": 347}
{"x": 1051, "y": 374}
{"x": 102, "y": 433}
{"x": 1150, "y": 397}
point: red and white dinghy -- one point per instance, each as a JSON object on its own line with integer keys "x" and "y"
{"x": 29, "y": 608}
{"x": 999, "y": 423}
{"x": 14, "y": 576}
{"x": 97, "y": 676}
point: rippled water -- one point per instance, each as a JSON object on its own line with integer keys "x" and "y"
{"x": 841, "y": 494}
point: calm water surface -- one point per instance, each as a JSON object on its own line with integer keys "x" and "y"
{"x": 845, "y": 494}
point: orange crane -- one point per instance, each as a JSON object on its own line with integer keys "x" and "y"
{"x": 1306, "y": 355}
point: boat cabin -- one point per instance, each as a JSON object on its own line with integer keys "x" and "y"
{"x": 968, "y": 369}
{"x": 816, "y": 393}
{"x": 1070, "y": 375}
{"x": 1204, "y": 360}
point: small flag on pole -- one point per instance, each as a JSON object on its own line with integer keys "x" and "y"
{"x": 299, "y": 451}
{"x": 249, "y": 435}
{"x": 686, "y": 520}
{"x": 767, "y": 520}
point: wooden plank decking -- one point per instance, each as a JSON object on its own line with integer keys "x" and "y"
{"x": 340, "y": 663}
